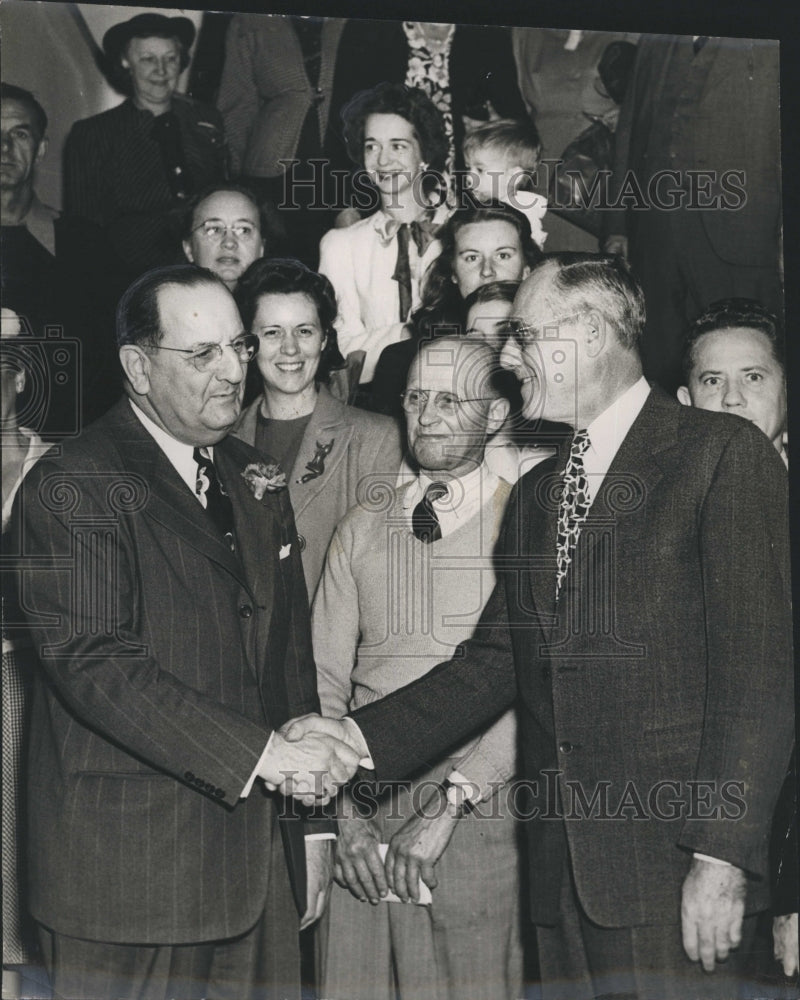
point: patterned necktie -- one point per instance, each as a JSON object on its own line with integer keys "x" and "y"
{"x": 422, "y": 232}
{"x": 574, "y": 506}
{"x": 212, "y": 496}
{"x": 424, "y": 522}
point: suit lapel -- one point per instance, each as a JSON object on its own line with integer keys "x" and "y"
{"x": 633, "y": 474}
{"x": 539, "y": 502}
{"x": 634, "y": 471}
{"x": 327, "y": 425}
{"x": 170, "y": 502}
{"x": 255, "y": 524}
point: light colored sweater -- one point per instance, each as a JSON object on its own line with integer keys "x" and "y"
{"x": 389, "y": 608}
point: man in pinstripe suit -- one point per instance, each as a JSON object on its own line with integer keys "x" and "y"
{"x": 174, "y": 641}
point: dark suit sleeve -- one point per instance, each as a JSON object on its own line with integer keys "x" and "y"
{"x": 82, "y": 602}
{"x": 747, "y": 732}
{"x": 414, "y": 726}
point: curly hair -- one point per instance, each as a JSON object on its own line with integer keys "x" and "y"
{"x": 286, "y": 276}
{"x": 439, "y": 293}
{"x": 409, "y": 103}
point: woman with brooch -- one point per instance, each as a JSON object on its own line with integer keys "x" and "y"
{"x": 396, "y": 135}
{"x": 334, "y": 456}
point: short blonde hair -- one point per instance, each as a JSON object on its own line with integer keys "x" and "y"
{"x": 517, "y": 139}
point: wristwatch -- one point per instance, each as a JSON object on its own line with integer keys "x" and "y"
{"x": 456, "y": 798}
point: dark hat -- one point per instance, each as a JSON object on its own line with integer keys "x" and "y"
{"x": 146, "y": 26}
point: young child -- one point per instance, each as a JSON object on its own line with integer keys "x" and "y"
{"x": 733, "y": 364}
{"x": 501, "y": 157}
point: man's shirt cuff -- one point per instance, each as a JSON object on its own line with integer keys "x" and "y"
{"x": 261, "y": 760}
{"x": 360, "y": 743}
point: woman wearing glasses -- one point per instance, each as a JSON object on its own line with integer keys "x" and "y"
{"x": 224, "y": 232}
{"x": 396, "y": 135}
{"x": 334, "y": 456}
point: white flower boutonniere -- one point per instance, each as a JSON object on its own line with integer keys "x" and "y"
{"x": 263, "y": 478}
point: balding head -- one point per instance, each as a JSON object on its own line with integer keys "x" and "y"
{"x": 452, "y": 404}
{"x": 577, "y": 318}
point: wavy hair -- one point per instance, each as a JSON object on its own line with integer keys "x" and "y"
{"x": 286, "y": 276}
{"x": 439, "y": 293}
{"x": 409, "y": 103}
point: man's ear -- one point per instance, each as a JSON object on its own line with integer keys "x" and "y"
{"x": 41, "y": 150}
{"x": 683, "y": 396}
{"x": 596, "y": 333}
{"x": 19, "y": 382}
{"x": 187, "y": 249}
{"x": 136, "y": 365}
{"x": 498, "y": 412}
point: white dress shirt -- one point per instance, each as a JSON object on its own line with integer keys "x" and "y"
{"x": 464, "y": 498}
{"x": 180, "y": 455}
{"x": 609, "y": 430}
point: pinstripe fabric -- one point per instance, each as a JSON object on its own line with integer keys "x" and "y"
{"x": 166, "y": 660}
{"x": 115, "y": 176}
{"x": 16, "y": 701}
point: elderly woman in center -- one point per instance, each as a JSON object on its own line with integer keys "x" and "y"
{"x": 396, "y": 136}
{"x": 333, "y": 456}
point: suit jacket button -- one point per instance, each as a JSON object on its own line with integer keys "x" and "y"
{"x": 189, "y": 775}
{"x": 565, "y": 747}
{"x": 246, "y": 610}
{"x": 301, "y": 542}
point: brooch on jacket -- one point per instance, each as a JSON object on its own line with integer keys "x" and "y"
{"x": 317, "y": 464}
{"x": 263, "y": 478}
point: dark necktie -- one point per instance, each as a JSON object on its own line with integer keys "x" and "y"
{"x": 423, "y": 232}
{"x": 212, "y": 496}
{"x": 574, "y": 506}
{"x": 424, "y": 522}
{"x": 699, "y": 42}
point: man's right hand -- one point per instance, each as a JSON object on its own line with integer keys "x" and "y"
{"x": 311, "y": 766}
{"x": 358, "y": 866}
{"x": 340, "y": 729}
{"x": 617, "y": 244}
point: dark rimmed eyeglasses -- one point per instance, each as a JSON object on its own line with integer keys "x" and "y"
{"x": 209, "y": 355}
{"x": 445, "y": 403}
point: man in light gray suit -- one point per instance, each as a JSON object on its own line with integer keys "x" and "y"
{"x": 162, "y": 582}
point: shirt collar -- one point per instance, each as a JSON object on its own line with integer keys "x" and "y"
{"x": 466, "y": 494}
{"x": 608, "y": 431}
{"x": 180, "y": 455}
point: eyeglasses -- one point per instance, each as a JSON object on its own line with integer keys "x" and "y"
{"x": 445, "y": 403}
{"x": 215, "y": 232}
{"x": 525, "y": 335}
{"x": 205, "y": 358}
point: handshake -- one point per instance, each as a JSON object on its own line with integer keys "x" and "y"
{"x": 311, "y": 757}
